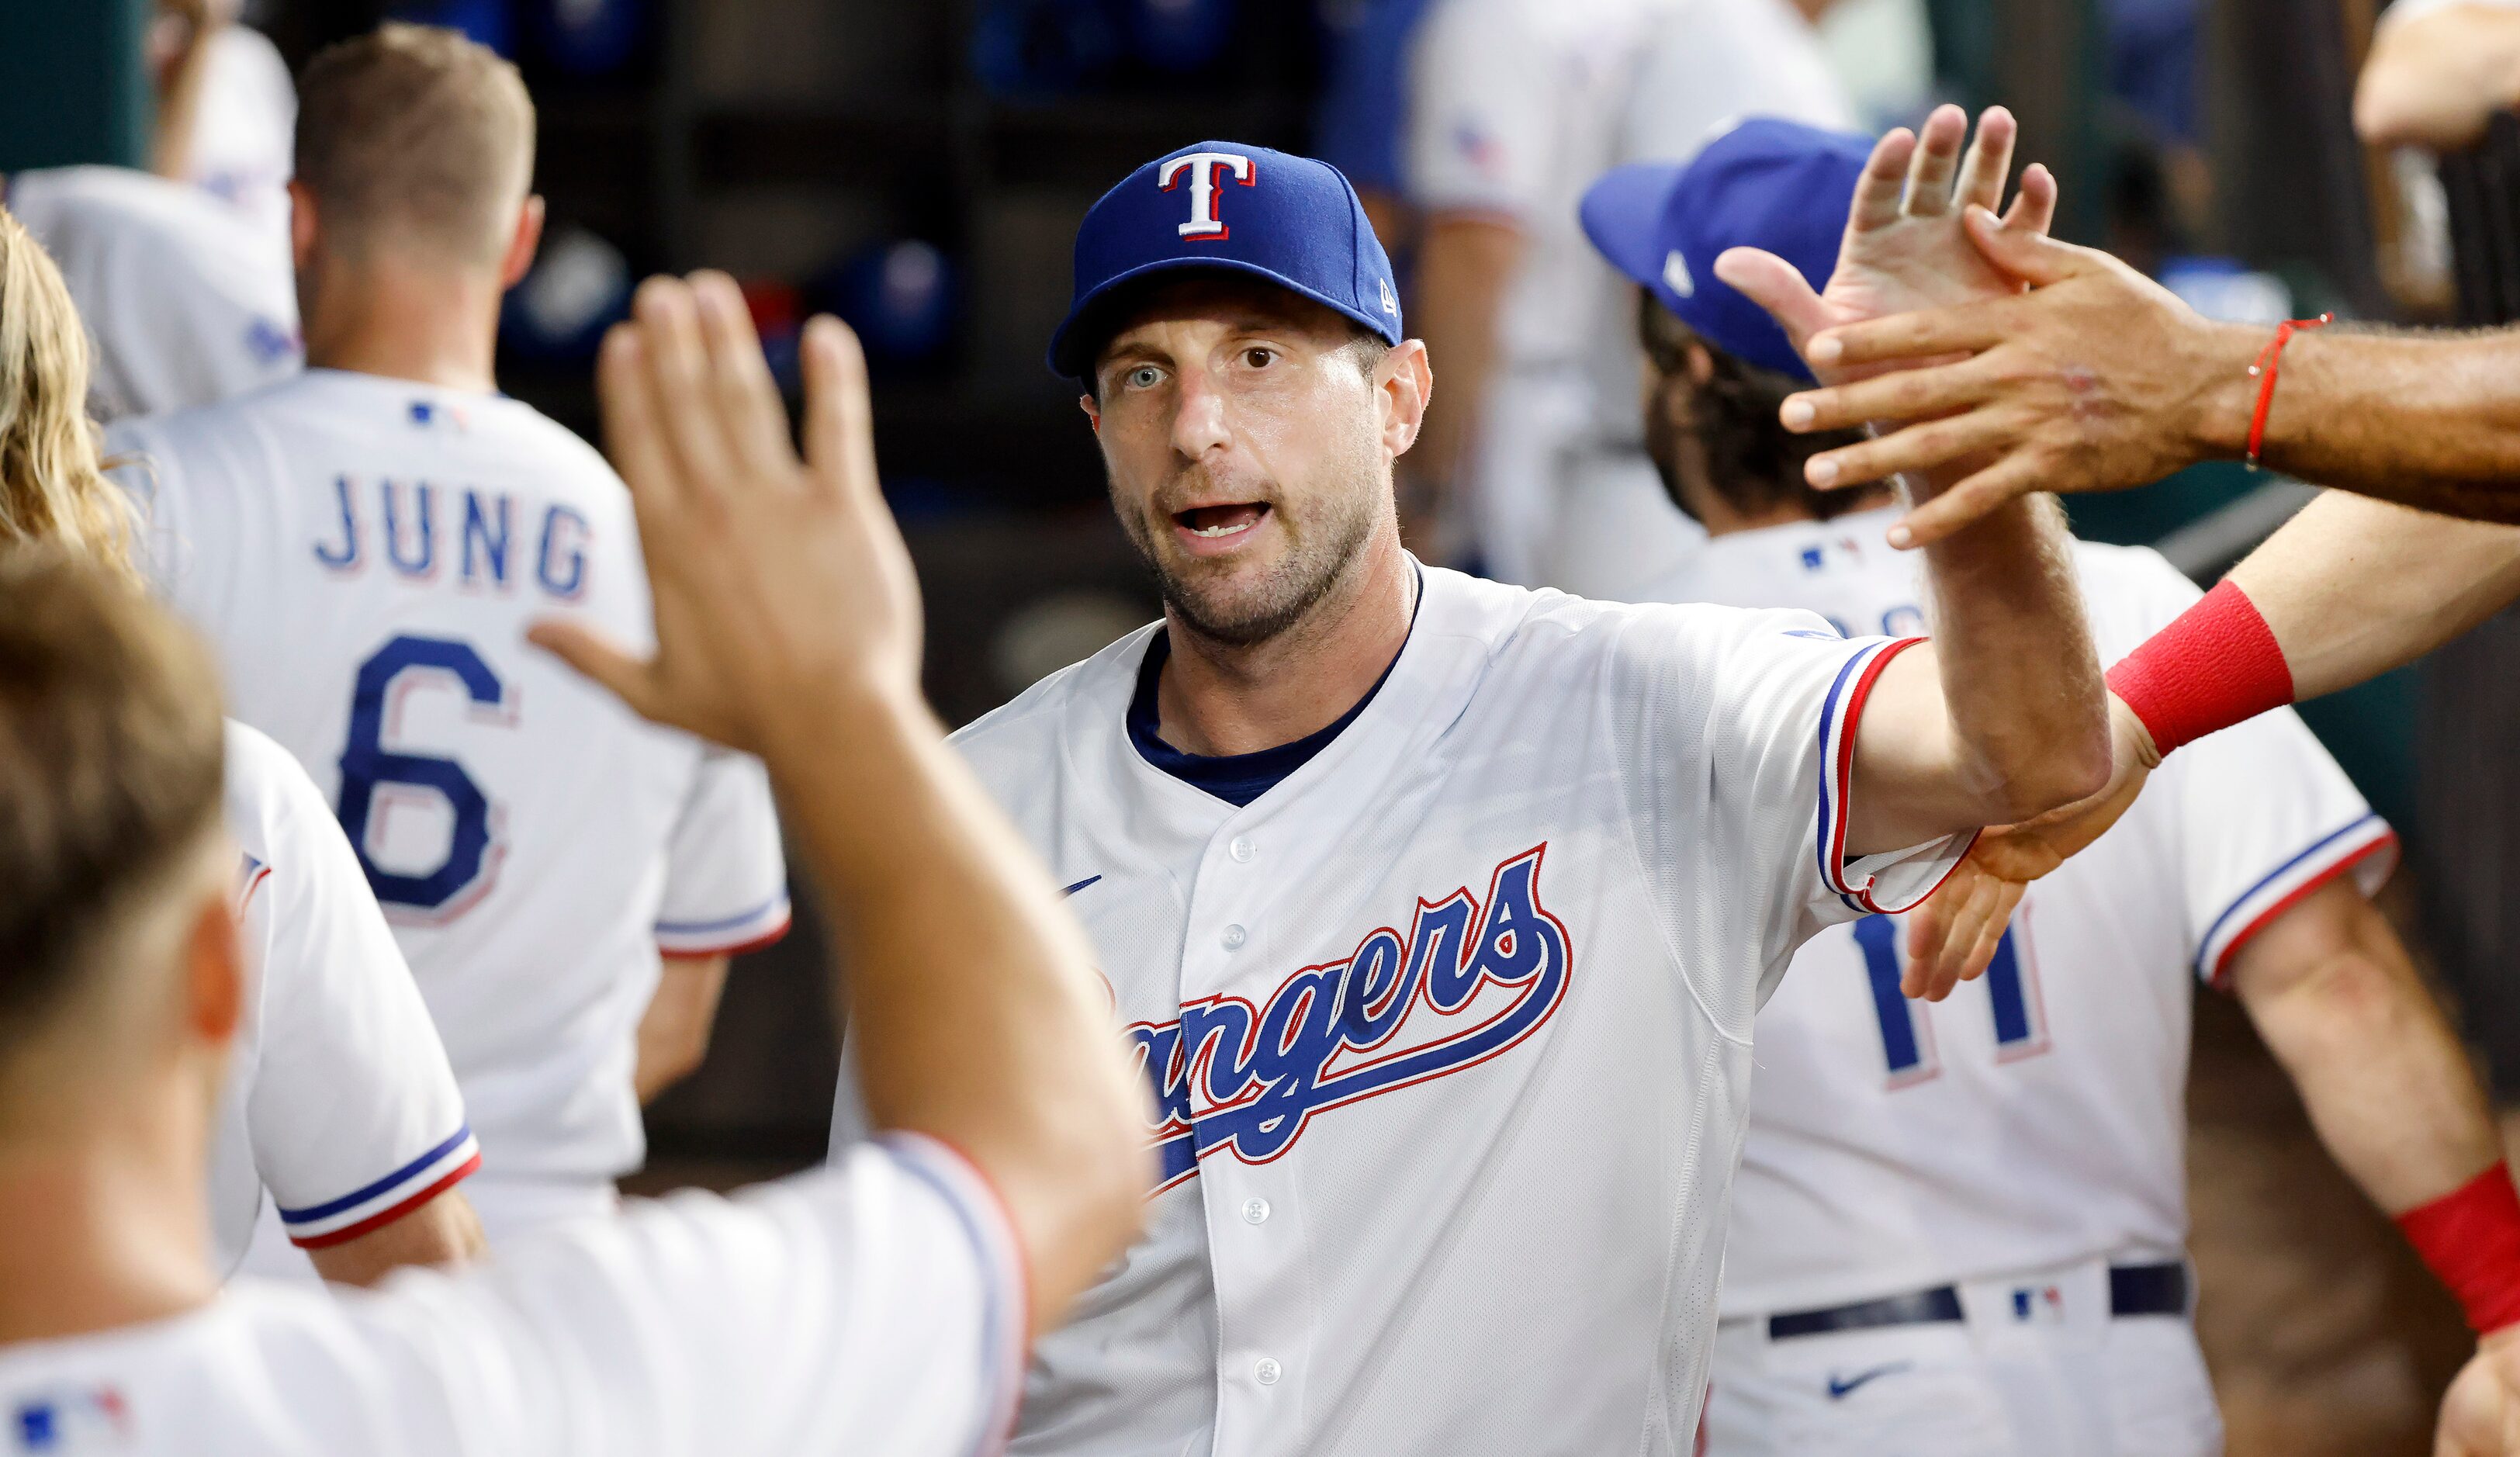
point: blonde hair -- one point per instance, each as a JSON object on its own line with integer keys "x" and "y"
{"x": 52, "y": 482}
{"x": 418, "y": 138}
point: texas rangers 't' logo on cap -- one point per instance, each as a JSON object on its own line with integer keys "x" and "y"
{"x": 1202, "y": 167}
{"x": 1204, "y": 207}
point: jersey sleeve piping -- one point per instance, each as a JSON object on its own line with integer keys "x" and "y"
{"x": 990, "y": 1226}
{"x": 388, "y": 1198}
{"x": 1841, "y": 714}
{"x": 2255, "y": 909}
{"x": 727, "y": 935}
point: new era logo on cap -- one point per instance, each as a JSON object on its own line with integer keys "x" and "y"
{"x": 1289, "y": 221}
{"x": 1675, "y": 273}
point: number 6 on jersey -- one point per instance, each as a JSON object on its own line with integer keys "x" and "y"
{"x": 374, "y": 777}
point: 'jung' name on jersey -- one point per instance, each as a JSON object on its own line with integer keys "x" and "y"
{"x": 1469, "y": 981}
{"x": 482, "y": 539}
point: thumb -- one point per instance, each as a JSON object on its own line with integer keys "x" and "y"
{"x": 1778, "y": 287}
{"x": 2025, "y": 253}
{"x": 633, "y": 680}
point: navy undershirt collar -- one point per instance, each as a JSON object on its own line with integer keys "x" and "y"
{"x": 1238, "y": 778}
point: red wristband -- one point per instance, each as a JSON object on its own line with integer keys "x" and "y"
{"x": 2470, "y": 1237}
{"x": 2215, "y": 665}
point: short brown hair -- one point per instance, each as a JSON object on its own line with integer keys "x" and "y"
{"x": 111, "y": 769}
{"x": 415, "y": 137}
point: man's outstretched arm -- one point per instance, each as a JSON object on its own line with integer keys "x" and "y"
{"x": 2393, "y": 1097}
{"x": 2001, "y": 717}
{"x": 2099, "y": 379}
{"x": 788, "y": 626}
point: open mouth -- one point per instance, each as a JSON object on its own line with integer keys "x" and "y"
{"x": 1207, "y": 528}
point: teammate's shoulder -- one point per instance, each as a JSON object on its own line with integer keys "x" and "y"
{"x": 265, "y": 781}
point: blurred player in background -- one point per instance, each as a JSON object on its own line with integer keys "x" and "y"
{"x": 339, "y": 1100}
{"x": 1515, "y": 105}
{"x": 1910, "y": 1268}
{"x": 365, "y": 543}
{"x": 185, "y": 289}
{"x": 880, "y": 1308}
{"x": 226, "y": 111}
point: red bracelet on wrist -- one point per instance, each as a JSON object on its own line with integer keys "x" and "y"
{"x": 2215, "y": 665}
{"x": 2264, "y": 371}
{"x": 2470, "y": 1237}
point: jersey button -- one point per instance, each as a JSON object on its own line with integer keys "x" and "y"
{"x": 1266, "y": 1372}
{"x": 1233, "y": 938}
{"x": 1242, "y": 849}
{"x": 1255, "y": 1211}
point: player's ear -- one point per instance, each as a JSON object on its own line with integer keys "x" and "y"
{"x": 303, "y": 225}
{"x": 1404, "y": 382}
{"x": 1093, "y": 411}
{"x": 522, "y": 243}
{"x": 214, "y": 975}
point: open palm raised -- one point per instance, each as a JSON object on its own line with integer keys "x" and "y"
{"x": 1905, "y": 248}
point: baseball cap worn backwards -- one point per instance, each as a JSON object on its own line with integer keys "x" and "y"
{"x": 1288, "y": 219}
{"x": 1768, "y": 184}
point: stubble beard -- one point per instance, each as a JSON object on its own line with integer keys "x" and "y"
{"x": 1321, "y": 553}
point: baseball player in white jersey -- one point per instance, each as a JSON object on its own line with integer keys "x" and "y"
{"x": 365, "y": 544}
{"x": 338, "y": 1106}
{"x": 1437, "y": 910}
{"x": 1515, "y": 105}
{"x": 1959, "y": 1227}
{"x": 340, "y": 1119}
{"x": 880, "y": 1308}
{"x": 185, "y": 303}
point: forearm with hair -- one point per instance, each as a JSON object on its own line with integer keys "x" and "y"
{"x": 2353, "y": 587}
{"x": 2425, "y": 419}
{"x": 2019, "y": 675}
{"x": 2386, "y": 1082}
{"x": 972, "y": 1003}
{"x": 2011, "y": 720}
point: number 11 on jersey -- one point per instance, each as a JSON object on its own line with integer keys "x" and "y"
{"x": 1906, "y": 1039}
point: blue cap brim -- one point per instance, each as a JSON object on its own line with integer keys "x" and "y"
{"x": 1086, "y": 321}
{"x": 1622, "y": 213}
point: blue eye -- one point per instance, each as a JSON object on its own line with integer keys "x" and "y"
{"x": 1144, "y": 377}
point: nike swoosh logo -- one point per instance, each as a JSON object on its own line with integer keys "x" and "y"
{"x": 1080, "y": 884}
{"x": 1839, "y": 1389}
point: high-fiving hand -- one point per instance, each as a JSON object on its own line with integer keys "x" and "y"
{"x": 1953, "y": 936}
{"x": 780, "y": 584}
{"x": 1905, "y": 247}
{"x": 2480, "y": 1415}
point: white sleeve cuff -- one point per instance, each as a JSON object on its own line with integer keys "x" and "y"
{"x": 1894, "y": 881}
{"x": 2365, "y": 846}
{"x": 724, "y": 936}
{"x": 1006, "y": 1324}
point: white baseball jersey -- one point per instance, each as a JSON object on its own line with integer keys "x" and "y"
{"x": 366, "y": 555}
{"x": 184, "y": 301}
{"x": 339, "y": 1098}
{"x": 1449, "y": 1030}
{"x": 245, "y": 126}
{"x": 1518, "y": 106}
{"x": 874, "y": 1309}
{"x": 2038, "y": 1117}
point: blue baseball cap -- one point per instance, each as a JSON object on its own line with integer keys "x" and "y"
{"x": 1290, "y": 219}
{"x": 1770, "y": 184}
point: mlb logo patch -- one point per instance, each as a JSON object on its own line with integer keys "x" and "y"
{"x": 2039, "y": 1305}
{"x": 428, "y": 415}
{"x": 66, "y": 1423}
